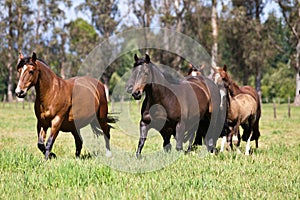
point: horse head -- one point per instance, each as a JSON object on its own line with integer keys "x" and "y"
{"x": 195, "y": 71}
{"x": 220, "y": 76}
{"x": 27, "y": 68}
{"x": 140, "y": 77}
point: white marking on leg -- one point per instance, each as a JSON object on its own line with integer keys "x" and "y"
{"x": 247, "y": 152}
{"x": 108, "y": 153}
{"x": 223, "y": 142}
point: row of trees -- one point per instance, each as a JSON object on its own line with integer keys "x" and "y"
{"x": 260, "y": 49}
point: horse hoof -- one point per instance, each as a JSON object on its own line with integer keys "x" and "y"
{"x": 179, "y": 148}
{"x": 168, "y": 148}
{"x": 52, "y": 155}
{"x": 108, "y": 154}
{"x": 138, "y": 156}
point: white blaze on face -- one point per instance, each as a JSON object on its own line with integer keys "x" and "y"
{"x": 217, "y": 77}
{"x": 18, "y": 89}
{"x": 194, "y": 73}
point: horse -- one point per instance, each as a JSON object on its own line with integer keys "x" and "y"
{"x": 243, "y": 108}
{"x": 194, "y": 71}
{"x": 180, "y": 104}
{"x": 63, "y": 105}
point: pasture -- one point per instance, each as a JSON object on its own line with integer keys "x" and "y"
{"x": 271, "y": 172}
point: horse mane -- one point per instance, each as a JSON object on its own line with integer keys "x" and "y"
{"x": 235, "y": 89}
{"x": 27, "y": 60}
{"x": 172, "y": 78}
{"x": 42, "y": 61}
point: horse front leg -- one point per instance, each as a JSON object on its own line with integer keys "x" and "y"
{"x": 55, "y": 126}
{"x": 41, "y": 137}
{"x": 144, "y": 128}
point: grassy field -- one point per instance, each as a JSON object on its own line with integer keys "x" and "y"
{"x": 271, "y": 172}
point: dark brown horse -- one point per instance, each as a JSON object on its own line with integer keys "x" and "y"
{"x": 63, "y": 105}
{"x": 172, "y": 107}
{"x": 243, "y": 108}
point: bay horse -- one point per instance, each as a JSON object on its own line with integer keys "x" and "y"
{"x": 63, "y": 105}
{"x": 179, "y": 105}
{"x": 243, "y": 108}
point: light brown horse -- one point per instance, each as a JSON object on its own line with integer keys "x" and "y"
{"x": 243, "y": 108}
{"x": 63, "y": 105}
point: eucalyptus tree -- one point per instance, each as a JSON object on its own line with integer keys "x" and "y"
{"x": 290, "y": 10}
{"x": 15, "y": 24}
{"x": 104, "y": 17}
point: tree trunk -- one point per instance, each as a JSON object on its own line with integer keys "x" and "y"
{"x": 9, "y": 55}
{"x": 258, "y": 82}
{"x": 297, "y": 68}
{"x": 214, "y": 50}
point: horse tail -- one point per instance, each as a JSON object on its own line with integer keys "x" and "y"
{"x": 109, "y": 120}
{"x": 112, "y": 118}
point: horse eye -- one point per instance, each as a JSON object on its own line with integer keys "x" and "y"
{"x": 31, "y": 72}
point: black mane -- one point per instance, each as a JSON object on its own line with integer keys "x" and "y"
{"x": 27, "y": 60}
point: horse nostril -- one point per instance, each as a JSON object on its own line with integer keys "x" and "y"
{"x": 20, "y": 93}
{"x": 136, "y": 94}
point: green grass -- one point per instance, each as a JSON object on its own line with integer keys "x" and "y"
{"x": 271, "y": 172}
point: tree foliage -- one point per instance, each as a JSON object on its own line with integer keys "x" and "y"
{"x": 262, "y": 53}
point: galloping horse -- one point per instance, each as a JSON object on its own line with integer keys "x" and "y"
{"x": 180, "y": 104}
{"x": 63, "y": 105}
{"x": 243, "y": 108}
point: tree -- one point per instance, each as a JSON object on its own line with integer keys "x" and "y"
{"x": 214, "y": 25}
{"x": 83, "y": 38}
{"x": 103, "y": 16}
{"x": 15, "y": 26}
{"x": 243, "y": 32}
{"x": 291, "y": 13}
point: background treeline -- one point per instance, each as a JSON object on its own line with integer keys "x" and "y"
{"x": 260, "y": 49}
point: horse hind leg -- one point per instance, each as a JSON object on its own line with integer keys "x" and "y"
{"x": 256, "y": 132}
{"x": 106, "y": 129}
{"x": 78, "y": 142}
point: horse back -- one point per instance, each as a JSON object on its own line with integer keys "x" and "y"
{"x": 88, "y": 100}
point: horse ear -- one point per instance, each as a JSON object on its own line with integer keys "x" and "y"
{"x": 147, "y": 58}
{"x": 225, "y": 68}
{"x": 136, "y": 58}
{"x": 33, "y": 57}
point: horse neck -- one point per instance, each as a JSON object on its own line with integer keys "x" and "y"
{"x": 158, "y": 84}
{"x": 46, "y": 81}
{"x": 234, "y": 89}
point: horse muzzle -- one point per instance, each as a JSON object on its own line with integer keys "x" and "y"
{"x": 20, "y": 93}
{"x": 129, "y": 88}
{"x": 137, "y": 95}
